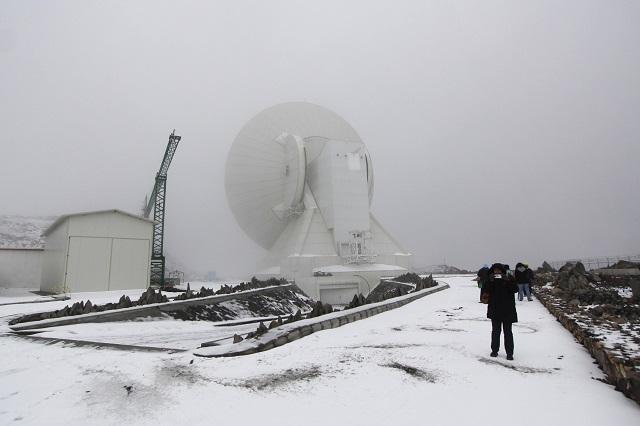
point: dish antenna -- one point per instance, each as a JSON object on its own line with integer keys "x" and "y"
{"x": 299, "y": 181}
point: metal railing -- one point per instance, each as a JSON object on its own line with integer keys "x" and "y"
{"x": 597, "y": 262}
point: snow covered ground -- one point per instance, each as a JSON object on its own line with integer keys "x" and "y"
{"x": 424, "y": 363}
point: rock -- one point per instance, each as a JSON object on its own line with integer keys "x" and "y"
{"x": 545, "y": 268}
{"x": 574, "y": 302}
{"x": 387, "y": 289}
{"x": 624, "y": 264}
{"x": 88, "y": 307}
{"x": 556, "y": 291}
{"x": 579, "y": 268}
{"x": 125, "y": 302}
{"x": 573, "y": 277}
{"x": 261, "y": 329}
{"x": 566, "y": 267}
{"x": 150, "y": 296}
{"x": 76, "y": 308}
{"x": 635, "y": 288}
{"x": 237, "y": 338}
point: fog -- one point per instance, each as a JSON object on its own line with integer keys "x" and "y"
{"x": 498, "y": 130}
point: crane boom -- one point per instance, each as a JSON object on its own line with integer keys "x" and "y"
{"x": 157, "y": 204}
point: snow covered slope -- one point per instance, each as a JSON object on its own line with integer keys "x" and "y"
{"x": 23, "y": 231}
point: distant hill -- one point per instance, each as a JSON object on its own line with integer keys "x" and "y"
{"x": 442, "y": 269}
{"x": 23, "y": 232}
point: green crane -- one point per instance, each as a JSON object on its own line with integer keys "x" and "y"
{"x": 157, "y": 204}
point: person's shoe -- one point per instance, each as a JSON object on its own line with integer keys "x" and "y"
{"x": 530, "y": 299}
{"x": 510, "y": 357}
{"x": 494, "y": 354}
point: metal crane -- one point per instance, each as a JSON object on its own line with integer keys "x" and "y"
{"x": 157, "y": 203}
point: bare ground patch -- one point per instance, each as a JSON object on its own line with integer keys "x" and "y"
{"x": 413, "y": 371}
{"x": 175, "y": 373}
{"x": 388, "y": 346}
{"x": 277, "y": 380}
{"x": 452, "y": 330}
{"x": 515, "y": 367}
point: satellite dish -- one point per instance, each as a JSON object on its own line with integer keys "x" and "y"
{"x": 267, "y": 166}
{"x": 299, "y": 181}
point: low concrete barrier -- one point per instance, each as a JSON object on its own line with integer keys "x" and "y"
{"x": 290, "y": 332}
{"x": 153, "y": 309}
{"x": 624, "y": 377}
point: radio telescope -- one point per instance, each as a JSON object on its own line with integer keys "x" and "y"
{"x": 299, "y": 181}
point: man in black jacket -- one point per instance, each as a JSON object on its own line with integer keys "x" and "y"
{"x": 523, "y": 276}
{"x": 502, "y": 308}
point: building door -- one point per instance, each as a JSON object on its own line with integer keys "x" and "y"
{"x": 129, "y": 264}
{"x": 88, "y": 262}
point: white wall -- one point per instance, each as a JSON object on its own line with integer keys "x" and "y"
{"x": 20, "y": 268}
{"x": 109, "y": 224}
{"x": 54, "y": 259}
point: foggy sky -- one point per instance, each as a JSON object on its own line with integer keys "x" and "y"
{"x": 498, "y": 130}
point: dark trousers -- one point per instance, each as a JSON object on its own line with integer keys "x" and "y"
{"x": 496, "y": 325}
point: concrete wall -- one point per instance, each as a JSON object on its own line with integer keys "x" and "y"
{"x": 20, "y": 268}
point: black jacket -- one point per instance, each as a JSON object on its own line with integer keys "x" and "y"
{"x": 502, "y": 303}
{"x": 524, "y": 277}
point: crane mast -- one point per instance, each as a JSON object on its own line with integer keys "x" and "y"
{"x": 156, "y": 203}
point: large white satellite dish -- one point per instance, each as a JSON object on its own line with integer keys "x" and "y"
{"x": 266, "y": 170}
{"x": 299, "y": 181}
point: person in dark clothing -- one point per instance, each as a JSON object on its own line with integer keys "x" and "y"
{"x": 502, "y": 308}
{"x": 523, "y": 278}
{"x": 483, "y": 277}
{"x": 531, "y": 277}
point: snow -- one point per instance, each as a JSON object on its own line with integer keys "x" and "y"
{"x": 23, "y": 232}
{"x": 21, "y": 295}
{"x": 424, "y": 363}
{"x": 625, "y": 292}
{"x": 159, "y": 333}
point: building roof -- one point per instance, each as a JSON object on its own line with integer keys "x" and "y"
{"x": 64, "y": 217}
{"x": 23, "y": 232}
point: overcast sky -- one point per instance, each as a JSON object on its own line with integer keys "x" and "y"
{"x": 499, "y": 130}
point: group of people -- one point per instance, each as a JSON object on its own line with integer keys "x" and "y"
{"x": 498, "y": 285}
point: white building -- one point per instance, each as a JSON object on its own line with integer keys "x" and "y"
{"x": 21, "y": 248}
{"x": 97, "y": 251}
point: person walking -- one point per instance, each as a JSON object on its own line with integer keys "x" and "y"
{"x": 523, "y": 277}
{"x": 501, "y": 309}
